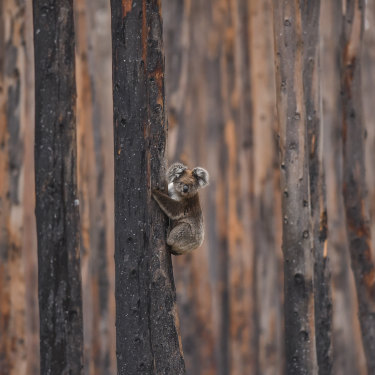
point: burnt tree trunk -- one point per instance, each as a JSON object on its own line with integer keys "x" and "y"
{"x": 311, "y": 86}
{"x": 147, "y": 334}
{"x": 57, "y": 201}
{"x": 354, "y": 182}
{"x": 12, "y": 111}
{"x": 289, "y": 17}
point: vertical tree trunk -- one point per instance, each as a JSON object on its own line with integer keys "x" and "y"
{"x": 368, "y": 87}
{"x": 57, "y": 201}
{"x": 289, "y": 17}
{"x": 311, "y": 85}
{"x": 347, "y": 347}
{"x": 29, "y": 235}
{"x": 266, "y": 219}
{"x": 353, "y": 134}
{"x": 12, "y": 112}
{"x": 146, "y": 315}
{"x": 102, "y": 266}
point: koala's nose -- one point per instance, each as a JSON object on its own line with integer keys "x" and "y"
{"x": 185, "y": 188}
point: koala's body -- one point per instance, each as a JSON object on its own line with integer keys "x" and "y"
{"x": 182, "y": 206}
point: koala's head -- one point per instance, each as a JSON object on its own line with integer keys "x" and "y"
{"x": 186, "y": 182}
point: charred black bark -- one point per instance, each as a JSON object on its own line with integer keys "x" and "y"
{"x": 60, "y": 304}
{"x": 147, "y": 333}
{"x": 354, "y": 182}
{"x": 290, "y": 50}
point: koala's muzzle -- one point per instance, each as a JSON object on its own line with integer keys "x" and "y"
{"x": 185, "y": 189}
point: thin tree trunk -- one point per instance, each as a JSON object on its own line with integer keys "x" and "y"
{"x": 57, "y": 214}
{"x": 146, "y": 315}
{"x": 12, "y": 112}
{"x": 102, "y": 217}
{"x": 347, "y": 346}
{"x": 266, "y": 218}
{"x": 353, "y": 134}
{"x": 29, "y": 235}
{"x": 311, "y": 85}
{"x": 300, "y": 349}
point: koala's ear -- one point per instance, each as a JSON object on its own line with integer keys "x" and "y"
{"x": 175, "y": 171}
{"x": 201, "y": 175}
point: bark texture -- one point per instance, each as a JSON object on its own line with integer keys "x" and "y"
{"x": 146, "y": 314}
{"x": 314, "y": 124}
{"x": 290, "y": 48}
{"x": 13, "y": 352}
{"x": 57, "y": 203}
{"x": 353, "y": 134}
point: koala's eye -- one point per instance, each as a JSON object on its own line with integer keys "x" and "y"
{"x": 185, "y": 188}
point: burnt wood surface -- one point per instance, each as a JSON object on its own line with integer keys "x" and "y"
{"x": 290, "y": 49}
{"x": 147, "y": 336}
{"x": 57, "y": 204}
{"x": 314, "y": 124}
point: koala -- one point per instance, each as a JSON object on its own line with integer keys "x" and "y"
{"x": 182, "y": 206}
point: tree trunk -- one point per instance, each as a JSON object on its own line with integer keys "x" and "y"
{"x": 93, "y": 208}
{"x": 57, "y": 214}
{"x": 347, "y": 347}
{"x": 102, "y": 266}
{"x": 12, "y": 112}
{"x": 353, "y": 134}
{"x": 290, "y": 48}
{"x": 146, "y": 315}
{"x": 311, "y": 86}
{"x": 266, "y": 218}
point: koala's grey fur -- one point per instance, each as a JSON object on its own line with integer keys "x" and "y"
{"x": 182, "y": 206}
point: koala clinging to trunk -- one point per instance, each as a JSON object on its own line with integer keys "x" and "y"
{"x": 182, "y": 206}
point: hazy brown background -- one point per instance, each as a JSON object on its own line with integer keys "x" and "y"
{"x": 221, "y": 111}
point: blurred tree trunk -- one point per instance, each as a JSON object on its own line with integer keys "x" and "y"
{"x": 314, "y": 123}
{"x": 102, "y": 233}
{"x": 57, "y": 214}
{"x": 368, "y": 85}
{"x": 13, "y": 354}
{"x": 29, "y": 235}
{"x": 289, "y": 23}
{"x": 353, "y": 134}
{"x": 93, "y": 207}
{"x": 147, "y": 333}
{"x": 269, "y": 344}
{"x": 347, "y": 346}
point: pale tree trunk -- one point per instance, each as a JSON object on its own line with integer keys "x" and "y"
{"x": 57, "y": 203}
{"x": 13, "y": 352}
{"x": 368, "y": 85}
{"x": 147, "y": 332}
{"x": 102, "y": 218}
{"x": 29, "y": 230}
{"x": 92, "y": 172}
{"x": 347, "y": 353}
{"x": 269, "y": 344}
{"x": 354, "y": 191}
{"x": 289, "y": 17}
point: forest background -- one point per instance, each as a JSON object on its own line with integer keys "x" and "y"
{"x": 221, "y": 97}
